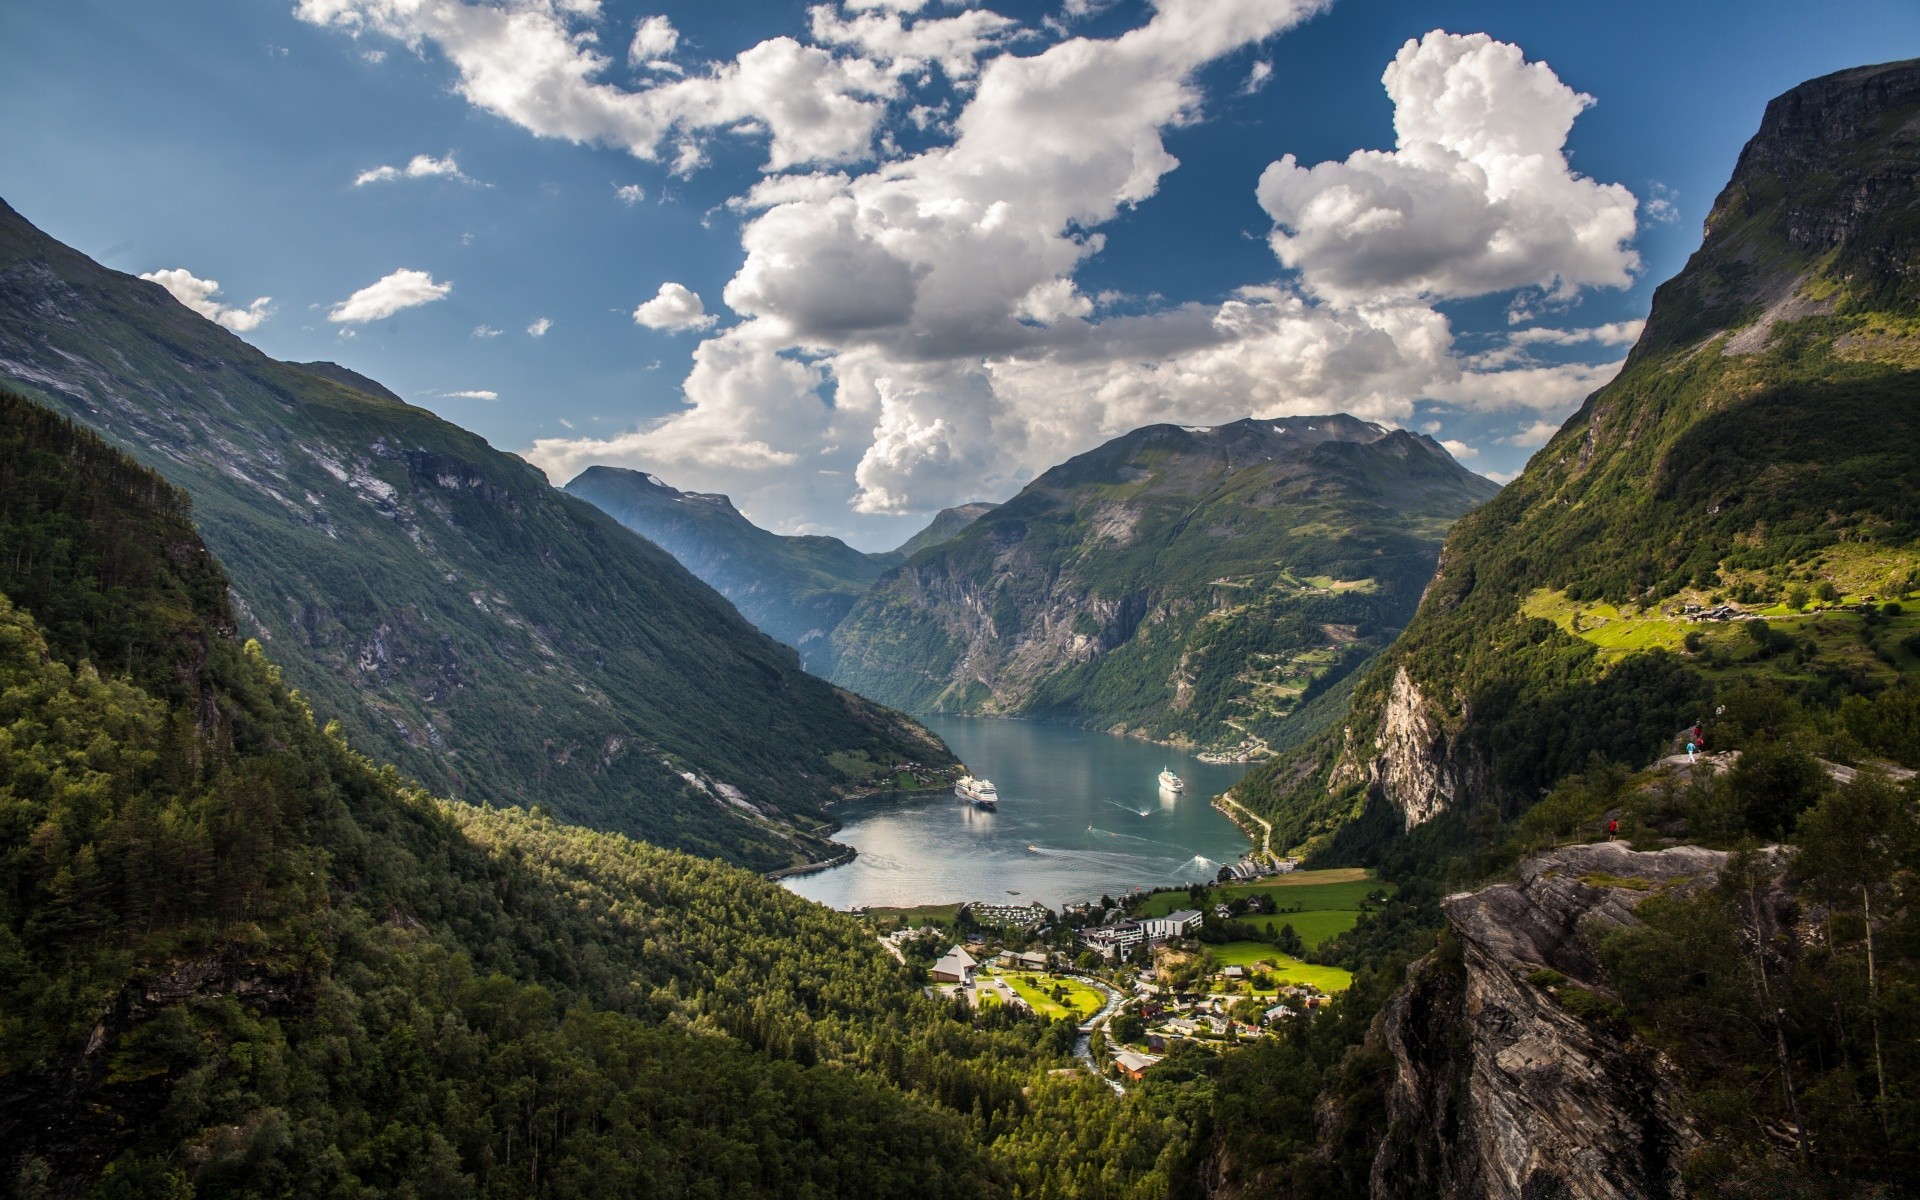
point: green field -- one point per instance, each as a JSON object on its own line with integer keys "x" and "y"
{"x": 1082, "y": 1001}
{"x": 1285, "y": 969}
{"x": 1313, "y": 927}
{"x": 1329, "y": 901}
{"x": 1835, "y": 634}
{"x": 1340, "y": 888}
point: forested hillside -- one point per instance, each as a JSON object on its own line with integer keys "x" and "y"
{"x": 236, "y": 958}
{"x": 1194, "y": 585}
{"x": 494, "y": 638}
{"x": 794, "y": 589}
{"x": 1737, "y": 507}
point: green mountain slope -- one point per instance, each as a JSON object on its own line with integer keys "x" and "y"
{"x": 795, "y": 589}
{"x": 491, "y": 636}
{"x": 945, "y": 526}
{"x": 237, "y": 959}
{"x": 1758, "y": 458}
{"x": 1198, "y": 585}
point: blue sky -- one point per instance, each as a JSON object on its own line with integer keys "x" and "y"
{"x": 935, "y": 247}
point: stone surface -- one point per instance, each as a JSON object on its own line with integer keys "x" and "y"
{"x": 1500, "y": 1090}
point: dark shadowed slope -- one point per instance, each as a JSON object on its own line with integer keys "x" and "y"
{"x": 493, "y": 637}
{"x": 795, "y": 589}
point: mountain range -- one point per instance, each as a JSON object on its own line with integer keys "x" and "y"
{"x": 795, "y": 589}
{"x": 1196, "y": 585}
{"x": 493, "y": 637}
{"x": 239, "y": 956}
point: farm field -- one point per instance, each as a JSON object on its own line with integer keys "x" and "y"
{"x": 1285, "y": 968}
{"x": 1341, "y": 887}
{"x": 1313, "y": 927}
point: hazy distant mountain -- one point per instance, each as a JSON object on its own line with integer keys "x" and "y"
{"x": 946, "y": 524}
{"x": 1189, "y": 584}
{"x": 795, "y": 589}
{"x": 491, "y": 635}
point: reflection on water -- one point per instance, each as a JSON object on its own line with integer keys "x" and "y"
{"x": 1081, "y": 813}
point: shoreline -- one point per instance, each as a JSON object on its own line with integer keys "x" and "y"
{"x": 1240, "y": 814}
{"x": 809, "y": 868}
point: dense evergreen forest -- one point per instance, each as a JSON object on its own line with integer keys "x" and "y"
{"x": 237, "y": 958}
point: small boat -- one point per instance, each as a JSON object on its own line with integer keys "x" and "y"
{"x": 1171, "y": 782}
{"x": 1011, "y": 892}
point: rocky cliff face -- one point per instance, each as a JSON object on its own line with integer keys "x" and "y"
{"x": 1510, "y": 1081}
{"x": 1192, "y": 585}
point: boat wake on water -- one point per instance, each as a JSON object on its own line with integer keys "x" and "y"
{"x": 1105, "y": 858}
{"x": 1200, "y": 862}
{"x": 1135, "y": 838}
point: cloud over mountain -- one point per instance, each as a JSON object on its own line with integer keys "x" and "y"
{"x": 912, "y": 328}
{"x": 201, "y": 295}
{"x": 1477, "y": 196}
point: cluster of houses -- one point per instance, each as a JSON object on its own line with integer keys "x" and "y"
{"x": 1174, "y": 1017}
{"x": 1118, "y": 938}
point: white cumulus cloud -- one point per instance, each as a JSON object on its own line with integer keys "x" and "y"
{"x": 478, "y": 394}
{"x": 384, "y": 297}
{"x": 202, "y": 296}
{"x": 420, "y": 166}
{"x": 1476, "y": 197}
{"x": 539, "y": 328}
{"x": 913, "y": 332}
{"x": 629, "y": 194}
{"x": 674, "y": 308}
{"x": 653, "y": 38}
{"x": 536, "y": 65}
{"x": 487, "y": 331}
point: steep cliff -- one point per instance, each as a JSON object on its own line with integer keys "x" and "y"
{"x": 491, "y": 636}
{"x": 1754, "y": 459}
{"x": 1510, "y": 1082}
{"x": 1194, "y": 585}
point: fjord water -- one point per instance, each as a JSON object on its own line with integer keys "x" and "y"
{"x": 1087, "y": 804}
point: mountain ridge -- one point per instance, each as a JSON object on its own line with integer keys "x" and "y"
{"x": 1128, "y": 587}
{"x": 793, "y": 588}
{"x": 495, "y": 638}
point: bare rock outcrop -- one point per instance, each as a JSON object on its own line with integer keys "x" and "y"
{"x": 1511, "y": 1083}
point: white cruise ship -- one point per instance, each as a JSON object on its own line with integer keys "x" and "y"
{"x": 1170, "y": 781}
{"x": 978, "y": 792}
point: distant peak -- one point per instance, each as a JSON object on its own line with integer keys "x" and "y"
{"x": 347, "y": 377}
